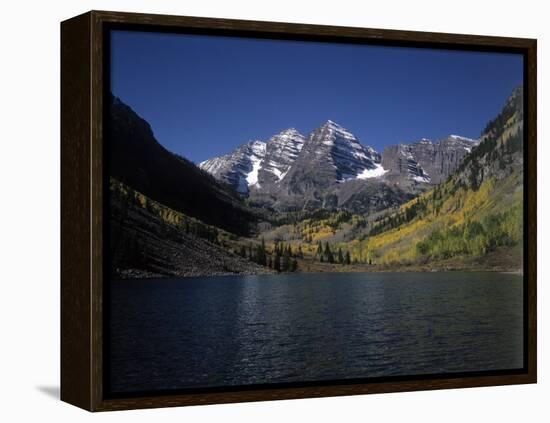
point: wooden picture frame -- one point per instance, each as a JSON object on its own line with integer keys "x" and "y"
{"x": 83, "y": 47}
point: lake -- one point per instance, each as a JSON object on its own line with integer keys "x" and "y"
{"x": 240, "y": 330}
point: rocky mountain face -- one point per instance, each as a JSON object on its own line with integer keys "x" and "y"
{"x": 240, "y": 168}
{"x": 331, "y": 168}
{"x": 425, "y": 161}
{"x": 324, "y": 173}
{"x": 331, "y": 155}
{"x": 282, "y": 150}
{"x": 257, "y": 164}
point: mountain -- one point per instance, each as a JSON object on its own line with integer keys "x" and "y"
{"x": 332, "y": 154}
{"x": 425, "y": 161}
{"x": 282, "y": 150}
{"x": 240, "y": 168}
{"x": 257, "y": 164}
{"x": 472, "y": 219}
{"x": 329, "y": 155}
{"x": 139, "y": 161}
{"x": 330, "y": 168}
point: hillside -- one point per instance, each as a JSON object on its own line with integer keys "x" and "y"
{"x": 138, "y": 160}
{"x": 148, "y": 239}
{"x": 477, "y": 211}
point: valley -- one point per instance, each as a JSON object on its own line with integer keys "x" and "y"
{"x": 321, "y": 202}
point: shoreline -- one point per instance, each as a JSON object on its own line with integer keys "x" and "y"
{"x": 138, "y": 275}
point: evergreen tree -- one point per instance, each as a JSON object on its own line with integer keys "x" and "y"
{"x": 277, "y": 262}
{"x": 285, "y": 261}
{"x": 340, "y": 256}
{"x": 328, "y": 253}
{"x": 261, "y": 258}
{"x": 348, "y": 258}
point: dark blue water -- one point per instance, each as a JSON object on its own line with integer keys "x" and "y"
{"x": 219, "y": 331}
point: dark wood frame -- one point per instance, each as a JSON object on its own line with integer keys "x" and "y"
{"x": 82, "y": 191}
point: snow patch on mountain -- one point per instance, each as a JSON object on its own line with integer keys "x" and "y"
{"x": 425, "y": 178}
{"x": 252, "y": 177}
{"x": 459, "y": 137}
{"x": 258, "y": 148}
{"x": 376, "y": 172}
{"x": 239, "y": 168}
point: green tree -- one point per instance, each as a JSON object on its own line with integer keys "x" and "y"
{"x": 340, "y": 256}
{"x": 261, "y": 257}
{"x": 328, "y": 253}
{"x": 277, "y": 262}
{"x": 285, "y": 261}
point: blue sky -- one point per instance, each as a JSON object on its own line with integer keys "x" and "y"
{"x": 205, "y": 95}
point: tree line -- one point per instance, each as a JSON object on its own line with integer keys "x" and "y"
{"x": 281, "y": 259}
{"x": 327, "y": 255}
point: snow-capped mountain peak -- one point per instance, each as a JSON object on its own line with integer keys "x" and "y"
{"x": 341, "y": 148}
{"x": 257, "y": 163}
{"x": 338, "y": 130}
{"x": 238, "y": 168}
{"x": 290, "y": 132}
{"x": 263, "y": 165}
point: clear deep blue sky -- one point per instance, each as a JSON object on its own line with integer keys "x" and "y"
{"x": 205, "y": 95}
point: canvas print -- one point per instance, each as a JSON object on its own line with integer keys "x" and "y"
{"x": 285, "y": 212}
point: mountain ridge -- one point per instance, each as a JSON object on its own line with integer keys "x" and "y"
{"x": 293, "y": 171}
